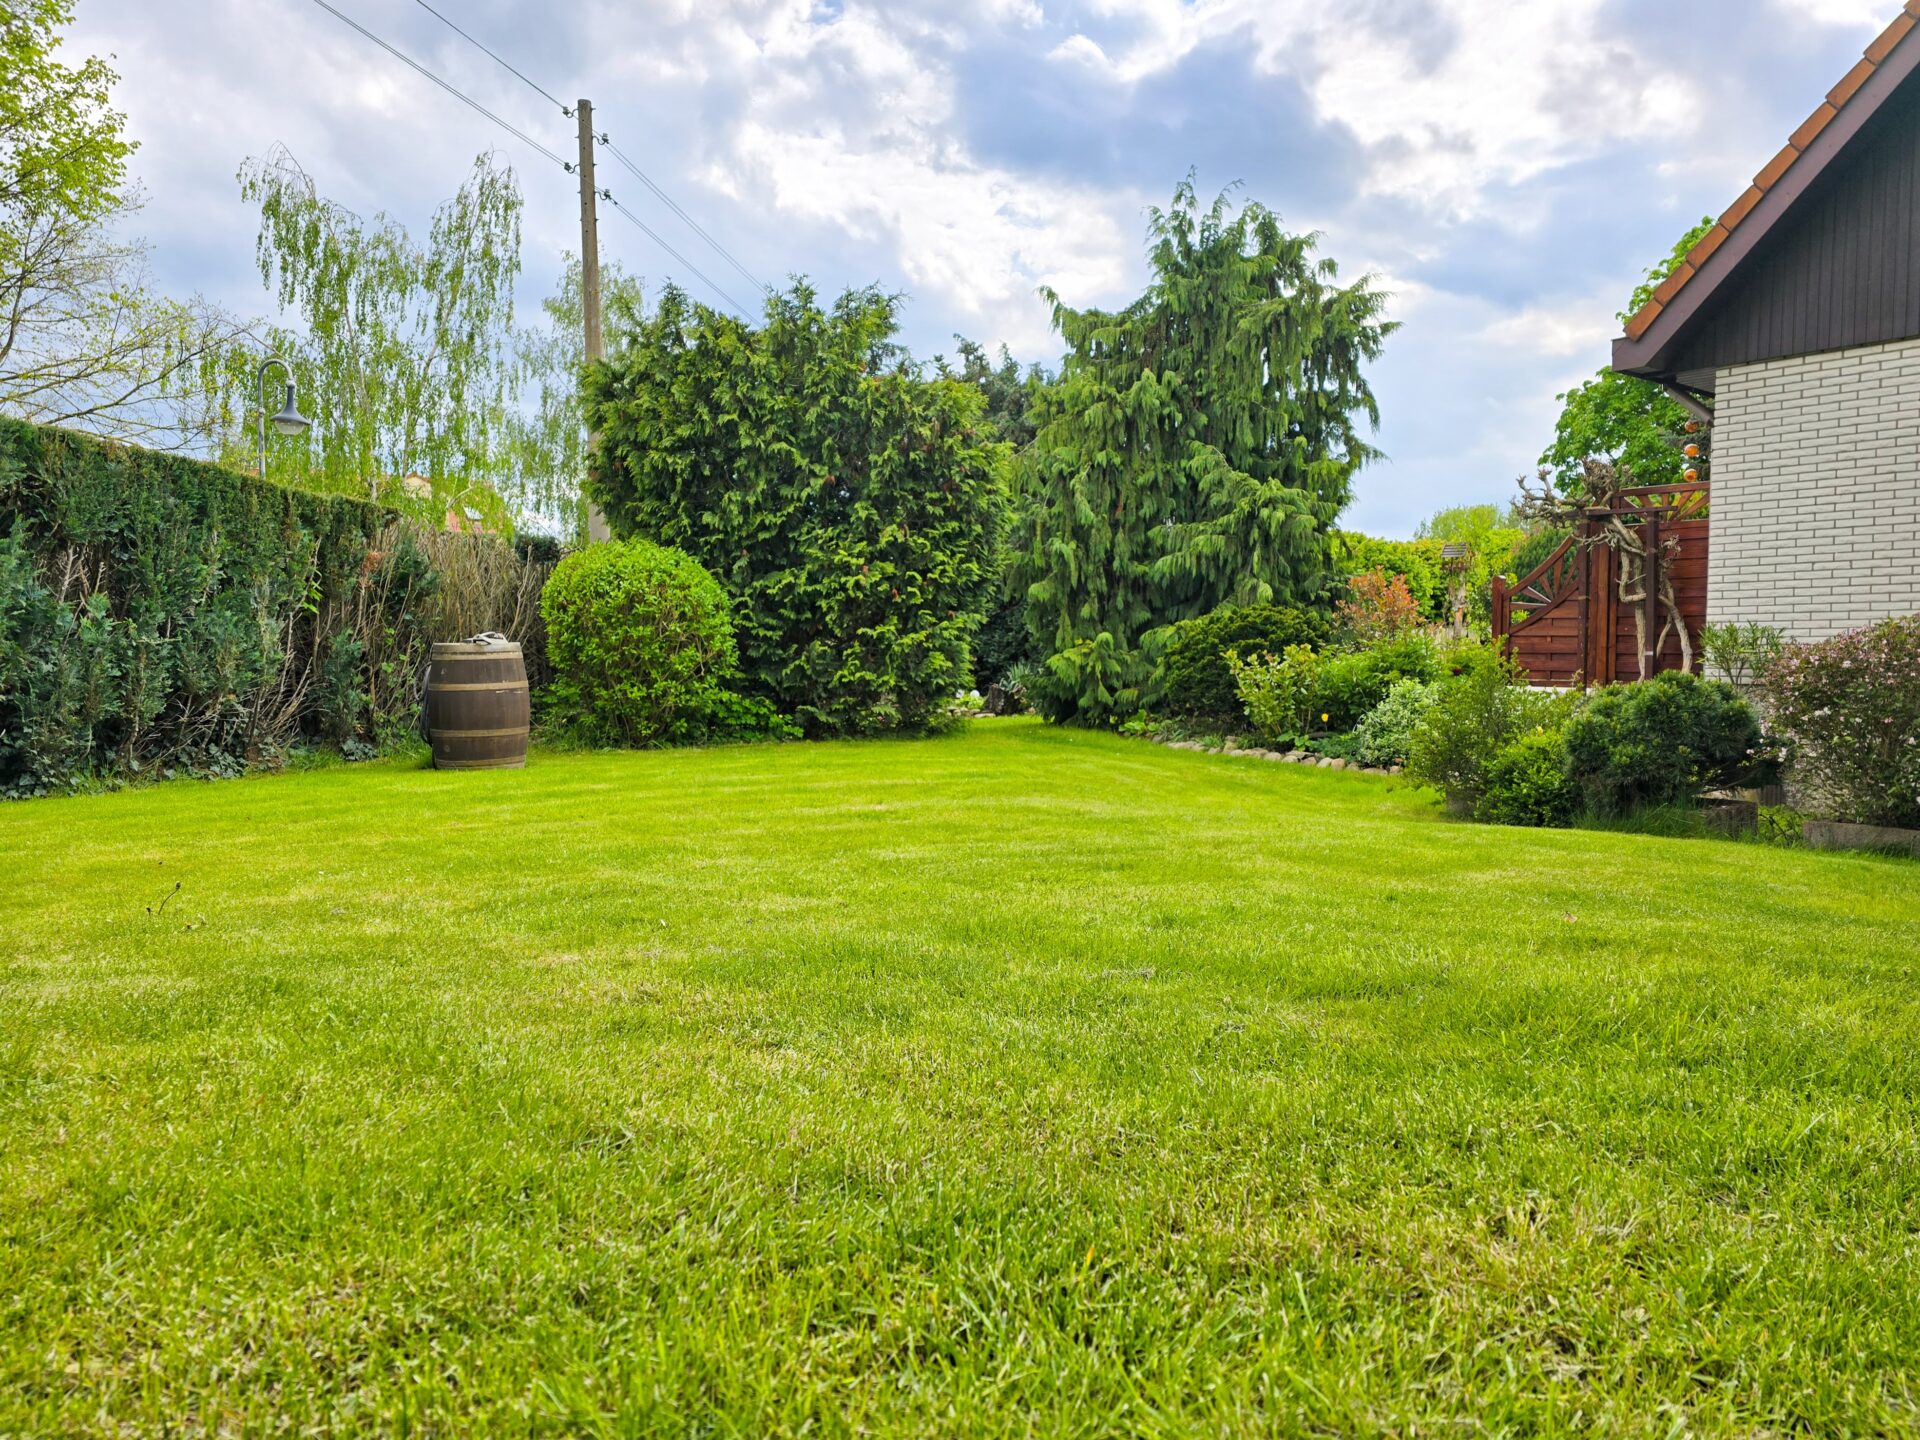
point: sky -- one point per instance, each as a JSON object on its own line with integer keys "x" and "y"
{"x": 1505, "y": 169}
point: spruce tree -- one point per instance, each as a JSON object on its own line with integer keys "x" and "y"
{"x": 1196, "y": 450}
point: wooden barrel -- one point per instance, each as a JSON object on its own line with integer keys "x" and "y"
{"x": 477, "y": 705}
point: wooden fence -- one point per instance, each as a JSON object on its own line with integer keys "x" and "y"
{"x": 1566, "y": 624}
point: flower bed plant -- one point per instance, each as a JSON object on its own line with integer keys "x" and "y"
{"x": 1850, "y": 707}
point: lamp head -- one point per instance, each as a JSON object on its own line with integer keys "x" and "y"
{"x": 290, "y": 421}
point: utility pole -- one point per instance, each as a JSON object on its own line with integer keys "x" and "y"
{"x": 590, "y": 283}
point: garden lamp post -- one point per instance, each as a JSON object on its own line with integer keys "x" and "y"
{"x": 289, "y": 421}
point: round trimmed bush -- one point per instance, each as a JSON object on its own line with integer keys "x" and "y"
{"x": 1195, "y": 677}
{"x": 1385, "y": 735}
{"x": 1661, "y": 741}
{"x": 641, "y": 642}
{"x": 1527, "y": 784}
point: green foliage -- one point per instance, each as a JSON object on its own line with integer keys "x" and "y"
{"x": 1279, "y": 693}
{"x": 1195, "y": 677}
{"x": 1741, "y": 654}
{"x": 1630, "y": 422}
{"x": 1477, "y": 711}
{"x": 152, "y": 606}
{"x": 1851, "y": 707}
{"x": 1008, "y": 391}
{"x": 641, "y": 643}
{"x": 1003, "y": 645}
{"x": 1196, "y": 450}
{"x": 1385, "y": 734}
{"x": 1527, "y": 784}
{"x": 405, "y": 353}
{"x": 1353, "y": 682}
{"x": 1661, "y": 741}
{"x": 83, "y": 342}
{"x": 158, "y": 614}
{"x": 61, "y": 147}
{"x": 1415, "y": 561}
{"x": 848, "y": 505}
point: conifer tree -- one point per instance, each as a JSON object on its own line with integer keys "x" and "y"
{"x": 1196, "y": 450}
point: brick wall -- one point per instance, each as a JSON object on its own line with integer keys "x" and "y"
{"x": 1816, "y": 491}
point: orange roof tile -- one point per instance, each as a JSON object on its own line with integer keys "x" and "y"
{"x": 1777, "y": 168}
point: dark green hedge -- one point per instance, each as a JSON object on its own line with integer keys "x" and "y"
{"x": 157, "y": 610}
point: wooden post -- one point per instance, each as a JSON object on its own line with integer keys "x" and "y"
{"x": 590, "y": 285}
{"x": 1650, "y": 576}
{"x": 1500, "y": 615}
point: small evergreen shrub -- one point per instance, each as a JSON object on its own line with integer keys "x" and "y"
{"x": 1850, "y": 706}
{"x": 1195, "y": 676}
{"x": 1385, "y": 735}
{"x": 1474, "y": 715}
{"x": 641, "y": 643}
{"x": 1661, "y": 741}
{"x": 1527, "y": 784}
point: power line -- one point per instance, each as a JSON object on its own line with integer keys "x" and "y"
{"x": 463, "y": 98}
{"x": 654, "y": 235}
{"x": 692, "y": 224}
{"x": 566, "y": 165}
{"x": 503, "y": 64}
{"x": 606, "y": 143}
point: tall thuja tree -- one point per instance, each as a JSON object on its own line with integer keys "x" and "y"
{"x": 405, "y": 351}
{"x": 848, "y": 503}
{"x": 1196, "y": 450}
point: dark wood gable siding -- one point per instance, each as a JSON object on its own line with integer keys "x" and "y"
{"x": 1844, "y": 271}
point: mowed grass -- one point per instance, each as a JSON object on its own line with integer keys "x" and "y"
{"x": 1018, "y": 1082}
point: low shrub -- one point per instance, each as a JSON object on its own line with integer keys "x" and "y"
{"x": 1527, "y": 784}
{"x": 1278, "y": 692}
{"x": 1353, "y": 682}
{"x": 1195, "y": 677}
{"x": 1475, "y": 713}
{"x": 641, "y": 643}
{"x": 1385, "y": 734}
{"x": 1662, "y": 741}
{"x": 1850, "y": 707}
{"x": 1740, "y": 654}
{"x": 1379, "y": 607}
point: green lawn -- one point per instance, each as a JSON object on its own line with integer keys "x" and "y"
{"x": 1019, "y": 1082}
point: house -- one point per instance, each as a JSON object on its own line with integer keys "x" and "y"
{"x": 1798, "y": 315}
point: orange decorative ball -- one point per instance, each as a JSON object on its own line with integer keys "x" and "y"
{"x": 1693, "y": 452}
{"x": 1692, "y": 475}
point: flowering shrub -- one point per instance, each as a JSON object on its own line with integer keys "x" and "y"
{"x": 1662, "y": 742}
{"x": 1385, "y": 735}
{"x": 1379, "y": 606}
{"x": 1850, "y": 707}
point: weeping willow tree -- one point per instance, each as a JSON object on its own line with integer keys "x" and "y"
{"x": 1196, "y": 450}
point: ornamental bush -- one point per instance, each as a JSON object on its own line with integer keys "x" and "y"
{"x": 1278, "y": 692}
{"x": 641, "y": 644}
{"x": 1353, "y": 682}
{"x": 1476, "y": 712}
{"x": 1850, "y": 707}
{"x": 848, "y": 505}
{"x": 1527, "y": 784}
{"x": 1662, "y": 741}
{"x": 1195, "y": 676}
{"x": 1385, "y": 734}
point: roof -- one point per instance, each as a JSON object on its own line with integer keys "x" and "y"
{"x": 1807, "y": 154}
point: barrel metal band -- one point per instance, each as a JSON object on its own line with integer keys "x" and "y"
{"x": 494, "y": 685}
{"x": 439, "y": 734}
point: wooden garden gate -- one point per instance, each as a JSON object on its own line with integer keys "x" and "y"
{"x": 1566, "y": 624}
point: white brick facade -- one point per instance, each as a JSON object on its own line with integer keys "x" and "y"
{"x": 1816, "y": 491}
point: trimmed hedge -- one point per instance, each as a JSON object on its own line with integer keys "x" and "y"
{"x": 1195, "y": 676}
{"x": 158, "y": 613}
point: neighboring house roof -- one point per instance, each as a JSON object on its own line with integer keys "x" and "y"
{"x": 1652, "y": 337}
